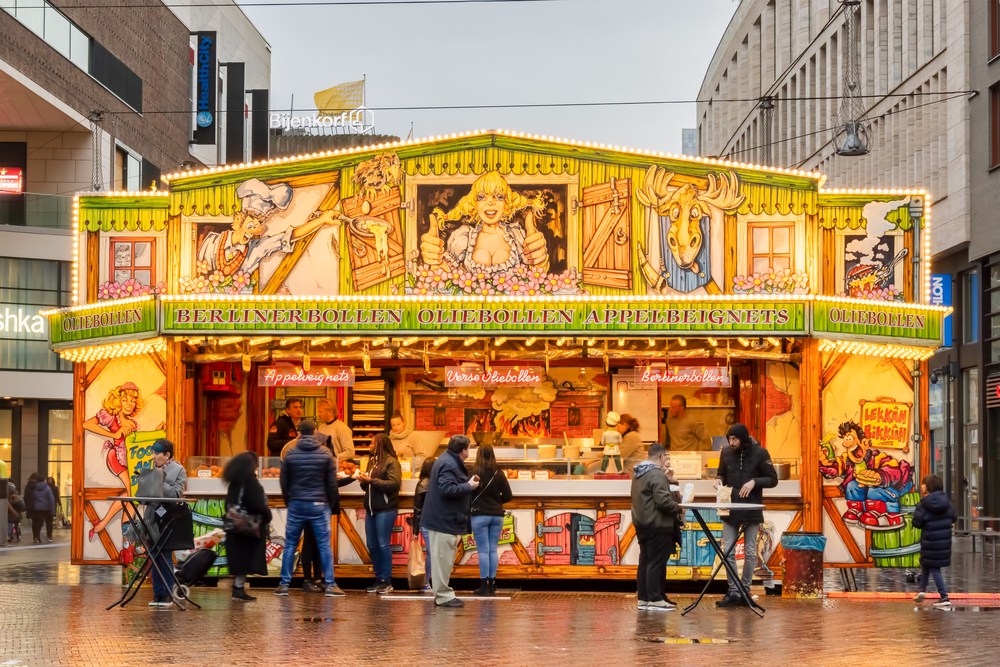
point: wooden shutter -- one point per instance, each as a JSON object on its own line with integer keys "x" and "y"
{"x": 607, "y": 239}
{"x": 367, "y": 267}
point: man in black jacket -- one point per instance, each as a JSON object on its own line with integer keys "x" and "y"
{"x": 309, "y": 487}
{"x": 284, "y": 428}
{"x": 653, "y": 515}
{"x": 745, "y": 467}
{"x": 446, "y": 515}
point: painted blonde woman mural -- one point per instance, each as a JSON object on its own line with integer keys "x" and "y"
{"x": 116, "y": 420}
{"x": 488, "y": 239}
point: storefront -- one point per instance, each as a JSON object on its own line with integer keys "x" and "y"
{"x": 515, "y": 288}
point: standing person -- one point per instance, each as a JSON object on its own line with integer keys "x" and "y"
{"x": 685, "y": 432}
{"x": 246, "y": 553}
{"x": 654, "y": 515}
{"x": 340, "y": 437}
{"x": 16, "y": 507}
{"x": 309, "y": 488}
{"x": 55, "y": 494}
{"x": 745, "y": 466}
{"x": 446, "y": 515}
{"x": 381, "y": 487}
{"x": 41, "y": 506}
{"x": 419, "y": 497}
{"x": 631, "y": 447}
{"x": 487, "y": 516}
{"x": 406, "y": 444}
{"x": 934, "y": 517}
{"x": 174, "y": 480}
{"x": 284, "y": 428}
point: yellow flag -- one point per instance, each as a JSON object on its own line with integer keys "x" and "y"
{"x": 345, "y": 97}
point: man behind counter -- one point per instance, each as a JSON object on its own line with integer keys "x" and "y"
{"x": 284, "y": 428}
{"x": 339, "y": 434}
{"x": 685, "y": 433}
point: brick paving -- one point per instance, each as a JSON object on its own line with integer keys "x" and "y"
{"x": 52, "y": 613}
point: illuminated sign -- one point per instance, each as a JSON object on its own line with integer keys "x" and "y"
{"x": 21, "y": 322}
{"x": 689, "y": 376}
{"x": 205, "y": 95}
{"x": 357, "y": 121}
{"x": 293, "y": 376}
{"x": 11, "y": 181}
{"x": 474, "y": 376}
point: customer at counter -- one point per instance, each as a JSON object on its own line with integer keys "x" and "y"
{"x": 339, "y": 436}
{"x": 487, "y": 516}
{"x": 654, "y": 515}
{"x": 685, "y": 432}
{"x": 246, "y": 554}
{"x": 406, "y": 444}
{"x": 284, "y": 428}
{"x": 381, "y": 487}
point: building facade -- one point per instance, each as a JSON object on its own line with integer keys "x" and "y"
{"x": 80, "y": 92}
{"x": 920, "y": 60}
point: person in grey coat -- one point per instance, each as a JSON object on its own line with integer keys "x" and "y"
{"x": 174, "y": 480}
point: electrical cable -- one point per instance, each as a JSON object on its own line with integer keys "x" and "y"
{"x": 295, "y": 3}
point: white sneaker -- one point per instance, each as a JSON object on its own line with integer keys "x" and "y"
{"x": 643, "y": 604}
{"x": 943, "y": 604}
{"x": 919, "y": 597}
{"x": 659, "y": 605}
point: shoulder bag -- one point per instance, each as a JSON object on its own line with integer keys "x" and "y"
{"x": 241, "y": 522}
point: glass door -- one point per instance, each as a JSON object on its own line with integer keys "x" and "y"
{"x": 973, "y": 453}
{"x": 61, "y": 458}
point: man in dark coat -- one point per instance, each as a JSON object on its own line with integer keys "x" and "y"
{"x": 446, "y": 515}
{"x": 309, "y": 487}
{"x": 654, "y": 514}
{"x": 746, "y": 468}
{"x": 285, "y": 427}
{"x": 934, "y": 517}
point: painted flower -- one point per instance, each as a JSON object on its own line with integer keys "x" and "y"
{"x": 204, "y": 267}
{"x": 801, "y": 280}
{"x": 501, "y": 282}
{"x": 536, "y": 275}
{"x": 104, "y": 291}
{"x": 484, "y": 288}
{"x": 516, "y": 287}
{"x": 741, "y": 284}
{"x": 755, "y": 281}
{"x": 130, "y": 287}
{"x": 241, "y": 281}
{"x": 531, "y": 288}
{"x": 216, "y": 278}
{"x": 521, "y": 271}
{"x": 567, "y": 280}
{"x": 467, "y": 283}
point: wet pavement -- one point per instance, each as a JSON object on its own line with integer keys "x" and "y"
{"x": 52, "y": 613}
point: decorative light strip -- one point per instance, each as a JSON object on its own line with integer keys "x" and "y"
{"x": 361, "y": 150}
{"x": 112, "y": 350}
{"x": 98, "y": 305}
{"x": 876, "y": 350}
{"x": 77, "y": 239}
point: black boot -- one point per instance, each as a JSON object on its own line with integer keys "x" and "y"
{"x": 492, "y": 586}
{"x": 240, "y": 593}
{"x": 484, "y": 588}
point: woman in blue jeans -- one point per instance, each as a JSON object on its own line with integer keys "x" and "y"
{"x": 487, "y": 516}
{"x": 381, "y": 486}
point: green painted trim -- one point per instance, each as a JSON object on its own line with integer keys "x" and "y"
{"x": 86, "y": 330}
{"x": 909, "y": 328}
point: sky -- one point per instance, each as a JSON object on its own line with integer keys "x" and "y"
{"x": 505, "y": 53}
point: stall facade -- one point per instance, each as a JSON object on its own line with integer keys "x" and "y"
{"x": 520, "y": 286}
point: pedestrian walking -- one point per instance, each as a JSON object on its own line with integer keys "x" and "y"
{"x": 16, "y": 508}
{"x": 41, "y": 505}
{"x": 309, "y": 487}
{"x": 934, "y": 516}
{"x": 246, "y": 553}
{"x": 381, "y": 487}
{"x": 59, "y": 508}
{"x": 487, "y": 516}
{"x": 174, "y": 480}
{"x": 745, "y": 466}
{"x": 446, "y": 515}
{"x": 654, "y": 515}
{"x": 419, "y": 530}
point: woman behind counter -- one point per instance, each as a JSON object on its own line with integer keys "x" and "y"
{"x": 405, "y": 443}
{"x": 631, "y": 448}
{"x": 487, "y": 516}
{"x": 246, "y": 555}
{"x": 381, "y": 487}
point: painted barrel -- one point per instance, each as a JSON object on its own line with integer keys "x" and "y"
{"x": 898, "y": 548}
{"x": 803, "y": 555}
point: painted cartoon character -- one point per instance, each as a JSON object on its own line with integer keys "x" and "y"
{"x": 873, "y": 482}
{"x": 117, "y": 419}
{"x": 246, "y": 245}
{"x": 685, "y": 217}
{"x": 489, "y": 241}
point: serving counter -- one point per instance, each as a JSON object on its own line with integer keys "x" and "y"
{"x": 574, "y": 528}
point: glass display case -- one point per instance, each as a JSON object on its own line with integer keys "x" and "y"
{"x": 205, "y": 467}
{"x": 270, "y": 467}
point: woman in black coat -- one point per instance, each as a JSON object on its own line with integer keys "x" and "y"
{"x": 246, "y": 555}
{"x": 934, "y": 517}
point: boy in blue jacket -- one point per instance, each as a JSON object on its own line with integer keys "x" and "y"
{"x": 934, "y": 517}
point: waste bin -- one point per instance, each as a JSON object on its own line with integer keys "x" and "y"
{"x": 803, "y": 554}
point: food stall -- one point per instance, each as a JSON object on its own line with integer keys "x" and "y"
{"x": 515, "y": 288}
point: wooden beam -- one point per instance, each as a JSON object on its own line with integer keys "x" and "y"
{"x": 359, "y": 547}
{"x": 812, "y": 415}
{"x": 522, "y": 554}
{"x": 626, "y": 541}
{"x": 904, "y": 371}
{"x": 109, "y": 545}
{"x": 845, "y": 534}
{"x": 79, "y": 469}
{"x": 836, "y": 365}
{"x": 175, "y": 232}
{"x": 94, "y": 373}
{"x": 93, "y": 267}
{"x": 459, "y": 551}
{"x": 289, "y": 261}
{"x": 775, "y": 560}
{"x": 173, "y": 375}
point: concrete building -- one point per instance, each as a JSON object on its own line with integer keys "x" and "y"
{"x": 919, "y": 60}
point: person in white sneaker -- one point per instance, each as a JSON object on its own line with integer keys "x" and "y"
{"x": 934, "y": 516}
{"x": 654, "y": 512}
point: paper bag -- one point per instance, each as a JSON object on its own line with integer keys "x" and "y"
{"x": 415, "y": 567}
{"x": 724, "y": 494}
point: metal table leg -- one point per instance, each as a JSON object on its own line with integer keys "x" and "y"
{"x": 144, "y": 535}
{"x": 754, "y": 607}
{"x": 715, "y": 571}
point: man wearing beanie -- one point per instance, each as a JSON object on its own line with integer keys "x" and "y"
{"x": 745, "y": 467}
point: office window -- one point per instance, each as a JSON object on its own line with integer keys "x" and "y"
{"x": 27, "y": 287}
{"x": 53, "y": 27}
{"x": 995, "y": 125}
{"x": 128, "y": 170}
{"x": 994, "y": 28}
{"x": 970, "y": 306}
{"x": 133, "y": 258}
{"x": 771, "y": 247}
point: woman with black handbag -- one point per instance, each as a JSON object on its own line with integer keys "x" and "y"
{"x": 246, "y": 523}
{"x": 487, "y": 516}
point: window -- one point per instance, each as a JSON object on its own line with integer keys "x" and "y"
{"x": 53, "y": 27}
{"x": 27, "y": 287}
{"x": 133, "y": 258}
{"x": 994, "y": 28}
{"x": 128, "y": 170}
{"x": 970, "y": 424}
{"x": 995, "y": 124}
{"x": 771, "y": 247}
{"x": 61, "y": 455}
{"x": 7, "y": 437}
{"x": 992, "y": 304}
{"x": 970, "y": 306}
